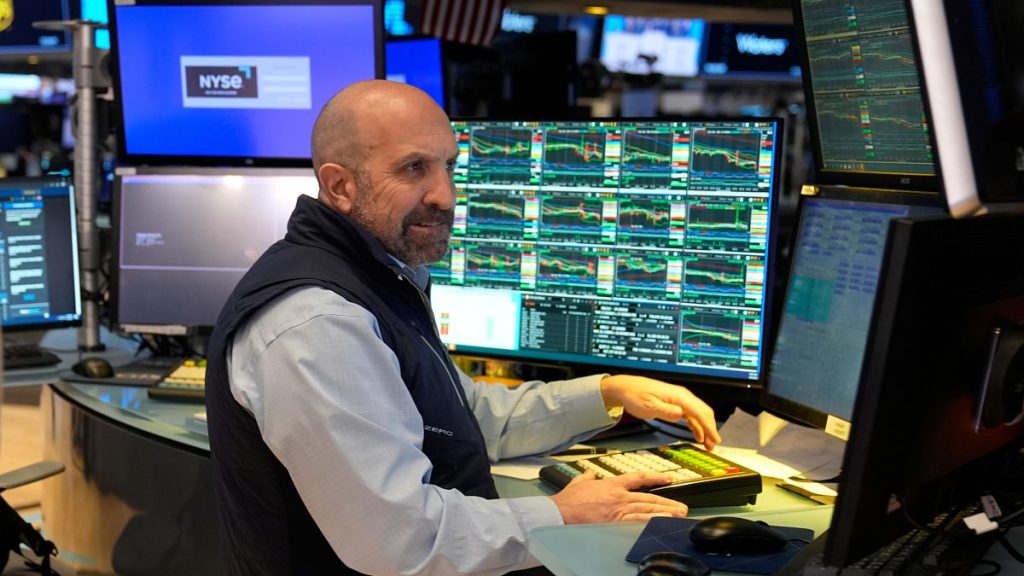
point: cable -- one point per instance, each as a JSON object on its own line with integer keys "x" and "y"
{"x": 1009, "y": 547}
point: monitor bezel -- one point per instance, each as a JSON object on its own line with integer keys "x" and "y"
{"x": 771, "y": 251}
{"x": 59, "y": 180}
{"x": 140, "y": 159}
{"x": 877, "y": 180}
{"x": 790, "y": 409}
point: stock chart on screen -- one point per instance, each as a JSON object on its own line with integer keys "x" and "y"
{"x": 866, "y": 88}
{"x": 628, "y": 244}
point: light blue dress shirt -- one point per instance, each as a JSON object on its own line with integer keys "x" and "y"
{"x": 327, "y": 395}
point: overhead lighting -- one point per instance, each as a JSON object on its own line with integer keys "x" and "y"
{"x": 596, "y": 10}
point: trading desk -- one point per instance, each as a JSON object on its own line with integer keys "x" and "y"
{"x": 138, "y": 493}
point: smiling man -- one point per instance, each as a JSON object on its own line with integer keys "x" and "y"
{"x": 345, "y": 439}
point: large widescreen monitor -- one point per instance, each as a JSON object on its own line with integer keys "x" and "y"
{"x": 973, "y": 62}
{"x": 636, "y": 45}
{"x": 644, "y": 246}
{"x": 823, "y": 331}
{"x": 39, "y": 274}
{"x": 866, "y": 112}
{"x": 940, "y": 387}
{"x": 183, "y": 240}
{"x": 751, "y": 52}
{"x": 237, "y": 83}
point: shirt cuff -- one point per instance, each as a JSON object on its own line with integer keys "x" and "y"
{"x": 581, "y": 397}
{"x": 535, "y": 512}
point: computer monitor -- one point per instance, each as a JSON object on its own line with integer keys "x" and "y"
{"x": 19, "y": 37}
{"x": 641, "y": 246}
{"x": 229, "y": 83}
{"x": 815, "y": 368}
{"x": 635, "y": 45}
{"x": 865, "y": 110}
{"x": 766, "y": 52}
{"x": 973, "y": 63}
{"x": 183, "y": 240}
{"x": 946, "y": 287}
{"x": 419, "y": 62}
{"x": 39, "y": 282}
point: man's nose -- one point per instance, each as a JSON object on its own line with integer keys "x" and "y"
{"x": 442, "y": 191}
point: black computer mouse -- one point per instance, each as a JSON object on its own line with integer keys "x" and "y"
{"x": 667, "y": 563}
{"x": 93, "y": 367}
{"x": 730, "y": 535}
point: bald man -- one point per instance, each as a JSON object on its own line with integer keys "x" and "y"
{"x": 345, "y": 439}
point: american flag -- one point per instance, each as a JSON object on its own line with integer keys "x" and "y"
{"x": 465, "y": 21}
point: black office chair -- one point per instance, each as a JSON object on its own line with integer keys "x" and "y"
{"x": 15, "y": 532}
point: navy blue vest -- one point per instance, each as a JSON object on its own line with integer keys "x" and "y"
{"x": 268, "y": 529}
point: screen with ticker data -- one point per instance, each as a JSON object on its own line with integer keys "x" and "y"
{"x": 638, "y": 245}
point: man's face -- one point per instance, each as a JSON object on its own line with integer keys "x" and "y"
{"x": 406, "y": 196}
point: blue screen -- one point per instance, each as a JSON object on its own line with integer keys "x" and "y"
{"x": 824, "y": 329}
{"x": 235, "y": 81}
{"x": 417, "y": 62}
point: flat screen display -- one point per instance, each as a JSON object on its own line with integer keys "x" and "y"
{"x": 635, "y": 45}
{"x": 755, "y": 51}
{"x": 863, "y": 83}
{"x": 823, "y": 332}
{"x": 638, "y": 245}
{"x": 39, "y": 274}
{"x": 236, "y": 83}
{"x": 183, "y": 241}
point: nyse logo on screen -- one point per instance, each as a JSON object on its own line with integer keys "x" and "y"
{"x": 221, "y": 81}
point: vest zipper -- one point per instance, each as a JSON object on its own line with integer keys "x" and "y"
{"x": 426, "y": 305}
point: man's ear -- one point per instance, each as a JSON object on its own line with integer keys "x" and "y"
{"x": 337, "y": 186}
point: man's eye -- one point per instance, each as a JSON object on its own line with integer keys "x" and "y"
{"x": 450, "y": 166}
{"x": 415, "y": 166}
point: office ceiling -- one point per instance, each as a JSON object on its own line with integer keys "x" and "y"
{"x": 753, "y": 11}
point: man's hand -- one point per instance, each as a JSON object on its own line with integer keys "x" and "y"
{"x": 586, "y": 500}
{"x": 647, "y": 398}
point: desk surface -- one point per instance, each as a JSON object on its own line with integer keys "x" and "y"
{"x": 591, "y": 550}
{"x": 600, "y": 549}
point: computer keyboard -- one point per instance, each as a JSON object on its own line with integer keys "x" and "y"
{"x": 20, "y": 355}
{"x": 186, "y": 383}
{"x": 701, "y": 479}
{"x": 945, "y": 548}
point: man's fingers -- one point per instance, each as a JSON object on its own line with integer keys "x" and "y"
{"x": 644, "y": 510}
{"x": 637, "y": 480}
